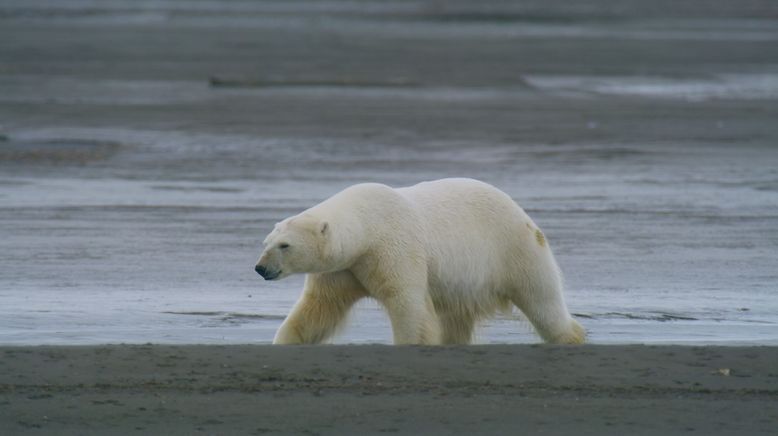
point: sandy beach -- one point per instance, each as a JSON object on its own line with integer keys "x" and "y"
{"x": 335, "y": 390}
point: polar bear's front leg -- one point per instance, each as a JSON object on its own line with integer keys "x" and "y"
{"x": 413, "y": 318}
{"x": 326, "y": 300}
{"x": 289, "y": 332}
{"x": 398, "y": 280}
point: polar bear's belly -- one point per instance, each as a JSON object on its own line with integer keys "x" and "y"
{"x": 464, "y": 285}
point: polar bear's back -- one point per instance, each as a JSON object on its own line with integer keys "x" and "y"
{"x": 465, "y": 206}
{"x": 465, "y": 212}
{"x": 477, "y": 238}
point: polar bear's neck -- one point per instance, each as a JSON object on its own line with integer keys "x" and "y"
{"x": 346, "y": 238}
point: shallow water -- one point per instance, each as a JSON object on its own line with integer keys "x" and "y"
{"x": 650, "y": 253}
{"x": 133, "y": 201}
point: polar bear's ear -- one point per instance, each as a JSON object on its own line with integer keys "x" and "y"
{"x": 324, "y": 227}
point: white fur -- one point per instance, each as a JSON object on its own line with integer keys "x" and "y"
{"x": 439, "y": 256}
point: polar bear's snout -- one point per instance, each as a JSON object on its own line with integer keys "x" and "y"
{"x": 266, "y": 273}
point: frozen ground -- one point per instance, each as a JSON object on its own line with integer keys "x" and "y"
{"x": 148, "y": 147}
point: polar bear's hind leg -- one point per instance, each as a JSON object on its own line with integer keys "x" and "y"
{"x": 546, "y": 310}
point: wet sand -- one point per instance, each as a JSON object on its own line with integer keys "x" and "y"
{"x": 499, "y": 389}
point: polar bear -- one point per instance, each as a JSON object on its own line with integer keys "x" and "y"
{"x": 439, "y": 256}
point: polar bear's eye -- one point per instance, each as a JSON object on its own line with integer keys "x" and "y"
{"x": 283, "y": 245}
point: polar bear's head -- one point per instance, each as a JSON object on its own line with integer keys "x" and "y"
{"x": 296, "y": 245}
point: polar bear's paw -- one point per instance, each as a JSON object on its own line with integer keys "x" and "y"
{"x": 575, "y": 336}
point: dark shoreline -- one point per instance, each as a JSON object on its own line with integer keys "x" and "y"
{"x": 372, "y": 389}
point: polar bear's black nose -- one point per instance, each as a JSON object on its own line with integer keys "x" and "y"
{"x": 260, "y": 270}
